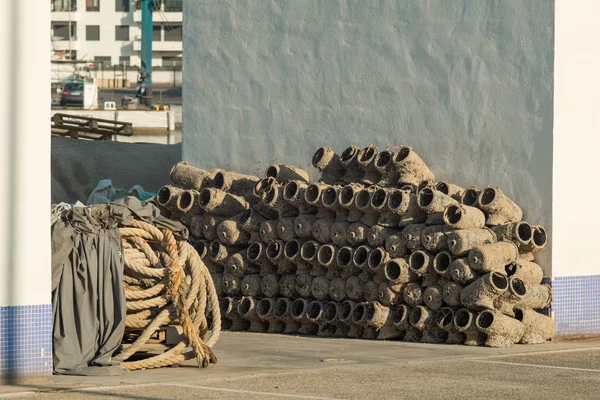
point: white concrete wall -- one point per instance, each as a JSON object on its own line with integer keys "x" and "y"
{"x": 576, "y": 138}
{"x": 25, "y": 154}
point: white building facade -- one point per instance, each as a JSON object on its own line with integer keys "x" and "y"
{"x": 107, "y": 33}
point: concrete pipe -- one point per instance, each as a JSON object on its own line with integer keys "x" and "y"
{"x": 250, "y": 222}
{"x": 331, "y": 312}
{"x": 239, "y": 265}
{"x": 313, "y": 195}
{"x": 459, "y": 216}
{"x": 493, "y": 256}
{"x": 329, "y": 200}
{"x": 362, "y": 201}
{"x": 188, "y": 203}
{"x": 345, "y": 317}
{"x": 329, "y": 164}
{"x": 470, "y": 196}
{"x": 287, "y": 286}
{"x": 529, "y": 272}
{"x": 506, "y": 302}
{"x": 321, "y": 230}
{"x": 421, "y": 262}
{"x": 461, "y": 242}
{"x": 218, "y": 202}
{"x": 319, "y": 288}
{"x": 359, "y": 317}
{"x": 425, "y": 184}
{"x": 291, "y": 251}
{"x": 268, "y": 231}
{"x": 357, "y": 234}
{"x": 285, "y": 229}
{"x": 303, "y": 285}
{"x": 371, "y": 292}
{"x": 352, "y": 172}
{"x": 412, "y": 189}
{"x": 232, "y": 285}
{"x": 299, "y": 309}
{"x": 379, "y": 201}
{"x": 411, "y": 235}
{"x": 450, "y": 189}
{"x": 536, "y": 297}
{"x": 394, "y": 245}
{"x": 397, "y": 271}
{"x": 286, "y": 172}
{"x": 411, "y": 168}
{"x": 344, "y": 262}
{"x": 217, "y": 278}
{"x": 539, "y": 328}
{"x": 451, "y": 292}
{"x": 265, "y": 309}
{"x": 520, "y": 233}
{"x": 247, "y": 310}
{"x": 195, "y": 226}
{"x": 464, "y": 322}
{"x": 251, "y": 285}
{"x": 236, "y": 184}
{"x": 275, "y": 253}
{"x": 366, "y": 162}
{"x": 294, "y": 193}
{"x": 380, "y": 318}
{"x": 303, "y": 226}
{"x": 355, "y": 288}
{"x": 501, "y": 330}
{"x": 378, "y": 235}
{"x": 219, "y": 253}
{"x": 498, "y": 207}
{"x": 433, "y": 297}
{"x": 539, "y": 239}
{"x": 360, "y": 257}
{"x": 434, "y": 237}
{"x": 187, "y": 176}
{"x": 441, "y": 264}
{"x": 444, "y": 319}
{"x": 376, "y": 262}
{"x": 228, "y": 307}
{"x": 167, "y": 197}
{"x": 262, "y": 186}
{"x": 461, "y": 271}
{"x": 230, "y": 232}
{"x": 423, "y": 319}
{"x": 273, "y": 199}
{"x": 390, "y": 295}
{"x": 339, "y": 232}
{"x": 482, "y": 293}
{"x": 413, "y": 294}
{"x": 283, "y": 312}
{"x": 400, "y": 319}
{"x": 337, "y": 289}
{"x": 346, "y": 199}
{"x": 314, "y": 313}
{"x": 269, "y": 285}
{"x": 405, "y": 204}
{"x": 434, "y": 203}
{"x": 386, "y": 169}
{"x": 309, "y": 251}
{"x": 256, "y": 253}
{"x": 209, "y": 227}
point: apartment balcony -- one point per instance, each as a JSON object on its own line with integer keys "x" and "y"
{"x": 159, "y": 17}
{"x": 63, "y": 16}
{"x": 58, "y": 45}
{"x": 159, "y": 46}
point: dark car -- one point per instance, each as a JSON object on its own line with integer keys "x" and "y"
{"x": 72, "y": 94}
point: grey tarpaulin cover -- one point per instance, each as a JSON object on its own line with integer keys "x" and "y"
{"x": 88, "y": 301}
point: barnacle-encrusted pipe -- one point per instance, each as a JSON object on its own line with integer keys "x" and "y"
{"x": 230, "y": 232}
{"x": 398, "y": 271}
{"x": 275, "y": 253}
{"x": 283, "y": 312}
{"x": 380, "y": 318}
{"x": 291, "y": 251}
{"x": 265, "y": 311}
{"x": 337, "y": 289}
{"x": 247, "y": 310}
{"x": 413, "y": 294}
{"x": 262, "y": 186}
{"x": 349, "y": 158}
{"x": 313, "y": 195}
{"x": 299, "y": 308}
{"x": 390, "y": 295}
{"x": 167, "y": 197}
{"x": 287, "y": 286}
{"x": 269, "y": 285}
{"x": 394, "y": 245}
{"x": 294, "y": 193}
{"x": 286, "y": 172}
{"x": 236, "y": 183}
{"x": 539, "y": 239}
{"x": 470, "y": 195}
{"x": 371, "y": 291}
{"x": 251, "y": 285}
{"x": 209, "y": 227}
{"x": 268, "y": 231}
{"x": 451, "y": 292}
{"x": 362, "y": 201}
{"x": 345, "y": 317}
{"x": 441, "y": 263}
{"x": 314, "y": 313}
{"x": 400, "y": 319}
{"x": 506, "y": 302}
{"x": 493, "y": 256}
{"x": 462, "y": 241}
{"x": 273, "y": 199}
{"x": 344, "y": 262}
{"x": 221, "y": 203}
{"x": 421, "y": 262}
{"x": 303, "y": 285}
{"x": 405, "y": 204}
{"x": 329, "y": 164}
{"x": 326, "y": 256}
{"x": 386, "y": 168}
{"x": 232, "y": 285}
{"x": 346, "y": 198}
{"x": 338, "y": 233}
{"x": 423, "y": 319}
{"x": 378, "y": 235}
{"x": 538, "y": 327}
{"x": 366, "y": 161}
{"x": 250, "y": 221}
{"x": 331, "y": 312}
{"x": 187, "y": 176}
{"x": 285, "y": 228}
{"x": 461, "y": 271}
{"x": 482, "y": 292}
{"x": 433, "y": 296}
{"x": 520, "y": 233}
{"x": 411, "y": 235}
{"x": 355, "y": 288}
{"x": 464, "y": 321}
{"x": 411, "y": 168}
{"x": 434, "y": 237}
{"x": 501, "y": 330}
{"x": 379, "y": 201}
{"x": 319, "y": 287}
{"x": 219, "y": 253}
{"x": 329, "y": 200}
{"x": 434, "y": 203}
{"x": 450, "y": 189}
{"x": 499, "y": 208}
{"x": 459, "y": 216}
{"x": 239, "y": 265}
{"x": 188, "y": 202}
{"x": 303, "y": 226}
{"x": 527, "y": 271}
{"x": 321, "y": 230}
{"x": 196, "y": 224}
{"x": 359, "y": 317}
{"x": 537, "y": 297}
{"x": 256, "y": 253}
{"x": 357, "y": 233}
{"x": 228, "y": 307}
{"x": 376, "y": 262}
{"x": 444, "y": 319}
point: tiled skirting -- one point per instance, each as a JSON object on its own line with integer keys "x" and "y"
{"x": 26, "y": 339}
{"x": 576, "y": 305}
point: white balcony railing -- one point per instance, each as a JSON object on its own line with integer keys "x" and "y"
{"x": 63, "y": 16}
{"x": 159, "y": 17}
{"x": 59, "y": 45}
{"x": 159, "y": 46}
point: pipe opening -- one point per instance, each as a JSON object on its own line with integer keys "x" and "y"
{"x": 401, "y": 154}
{"x": 330, "y": 312}
{"x": 485, "y": 319}
{"x": 345, "y": 310}
{"x": 246, "y": 215}
{"x": 225, "y": 305}
{"x": 314, "y": 310}
{"x": 245, "y": 305}
{"x": 453, "y": 214}
{"x": 425, "y": 197}
{"x": 312, "y": 193}
{"x": 200, "y": 247}
{"x": 298, "y": 307}
{"x": 270, "y": 195}
{"x": 347, "y": 195}
{"x": 219, "y": 180}
{"x": 518, "y": 287}
{"x": 500, "y": 281}
{"x": 444, "y": 317}
{"x": 214, "y": 249}
{"x": 263, "y": 185}
{"x": 462, "y": 318}
{"x": 263, "y": 308}
{"x": 399, "y": 315}
{"x": 281, "y": 307}
{"x": 408, "y": 187}
{"x": 442, "y": 187}
{"x": 329, "y": 196}
{"x": 378, "y": 198}
{"x": 205, "y": 197}
{"x": 369, "y": 312}
{"x": 163, "y": 196}
{"x": 424, "y": 184}
{"x": 272, "y": 171}
{"x": 519, "y": 314}
{"x": 383, "y": 159}
{"x": 274, "y": 250}
{"x": 361, "y": 255}
{"x": 349, "y": 153}
{"x": 291, "y": 248}
{"x": 417, "y": 260}
{"x": 185, "y": 200}
{"x": 395, "y": 199}
{"x": 344, "y": 256}
{"x": 470, "y": 197}
{"x": 442, "y": 262}
{"x": 511, "y": 269}
{"x": 392, "y": 270}
{"x": 524, "y": 231}
{"x": 362, "y": 198}
{"x": 415, "y": 315}
{"x": 291, "y": 190}
{"x": 309, "y": 250}
{"x": 367, "y": 154}
{"x": 358, "y": 312}
{"x": 540, "y": 237}
{"x": 325, "y": 254}
{"x": 489, "y": 194}
{"x": 254, "y": 251}
{"x": 318, "y": 156}
{"x": 375, "y": 258}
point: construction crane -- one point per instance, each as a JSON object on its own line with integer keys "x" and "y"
{"x": 144, "y": 89}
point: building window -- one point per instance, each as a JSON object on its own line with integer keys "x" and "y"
{"x": 64, "y": 5}
{"x": 125, "y": 60}
{"x": 92, "y": 32}
{"x": 101, "y": 62}
{"x": 156, "y": 33}
{"x": 173, "y": 33}
{"x": 171, "y": 61}
{"x": 61, "y": 31}
{"x": 92, "y": 5}
{"x": 122, "y": 5}
{"x": 173, "y": 5}
{"x": 122, "y": 32}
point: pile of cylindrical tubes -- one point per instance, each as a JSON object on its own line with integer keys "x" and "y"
{"x": 376, "y": 248}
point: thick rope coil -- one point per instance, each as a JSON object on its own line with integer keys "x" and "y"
{"x": 166, "y": 283}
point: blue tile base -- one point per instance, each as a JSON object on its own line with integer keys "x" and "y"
{"x": 26, "y": 340}
{"x": 576, "y": 305}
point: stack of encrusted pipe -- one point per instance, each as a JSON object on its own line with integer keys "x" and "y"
{"x": 377, "y": 248}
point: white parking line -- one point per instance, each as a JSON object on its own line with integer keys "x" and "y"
{"x": 274, "y": 394}
{"x": 534, "y": 365}
{"x": 533, "y": 353}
